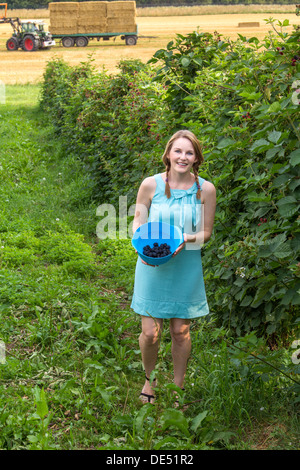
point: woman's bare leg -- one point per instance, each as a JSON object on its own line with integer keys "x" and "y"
{"x": 181, "y": 348}
{"x": 149, "y": 344}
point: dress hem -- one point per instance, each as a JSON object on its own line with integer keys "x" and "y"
{"x": 178, "y": 309}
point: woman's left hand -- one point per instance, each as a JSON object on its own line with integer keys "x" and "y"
{"x": 181, "y": 246}
{"x": 186, "y": 239}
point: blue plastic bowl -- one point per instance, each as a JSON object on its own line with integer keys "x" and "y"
{"x": 159, "y": 232}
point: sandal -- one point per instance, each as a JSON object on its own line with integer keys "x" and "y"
{"x": 146, "y": 395}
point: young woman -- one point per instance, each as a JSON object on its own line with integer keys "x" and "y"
{"x": 174, "y": 290}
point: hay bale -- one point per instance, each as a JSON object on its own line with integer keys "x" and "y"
{"x": 125, "y": 5}
{"x": 64, "y": 23}
{"x": 248, "y": 24}
{"x": 92, "y": 7}
{"x": 121, "y": 14}
{"x": 88, "y": 17}
{"x": 122, "y": 29}
{"x": 119, "y": 22}
{"x": 91, "y": 28}
{"x": 92, "y": 23}
{"x": 119, "y": 9}
{"x": 120, "y": 25}
{"x": 63, "y": 14}
{"x": 62, "y": 29}
{"x": 63, "y": 7}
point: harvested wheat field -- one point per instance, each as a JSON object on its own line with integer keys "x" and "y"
{"x": 28, "y": 67}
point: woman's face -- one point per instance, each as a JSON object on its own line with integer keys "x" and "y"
{"x": 182, "y": 155}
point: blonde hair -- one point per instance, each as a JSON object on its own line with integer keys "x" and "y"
{"x": 198, "y": 153}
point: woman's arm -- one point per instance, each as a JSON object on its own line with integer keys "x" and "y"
{"x": 143, "y": 202}
{"x": 208, "y": 209}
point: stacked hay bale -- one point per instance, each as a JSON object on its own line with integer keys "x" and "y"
{"x": 63, "y": 17}
{"x": 121, "y": 17}
{"x": 92, "y": 17}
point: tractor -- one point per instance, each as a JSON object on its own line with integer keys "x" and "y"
{"x": 28, "y": 35}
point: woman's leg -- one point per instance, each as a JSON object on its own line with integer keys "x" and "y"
{"x": 149, "y": 343}
{"x": 181, "y": 348}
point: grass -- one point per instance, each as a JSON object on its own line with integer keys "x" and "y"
{"x": 73, "y": 373}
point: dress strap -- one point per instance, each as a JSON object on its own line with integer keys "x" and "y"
{"x": 159, "y": 180}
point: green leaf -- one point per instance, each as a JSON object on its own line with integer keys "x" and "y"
{"x": 198, "y": 420}
{"x": 260, "y": 295}
{"x": 288, "y": 296}
{"x": 185, "y": 62}
{"x": 40, "y": 402}
{"x": 33, "y": 439}
{"x": 283, "y": 251}
{"x": 258, "y": 197}
{"x": 246, "y": 301}
{"x": 260, "y": 145}
{"x": 295, "y": 157}
{"x": 275, "y": 107}
{"x": 251, "y": 96}
{"x": 166, "y": 440}
{"x": 197, "y": 60}
{"x": 175, "y": 419}
{"x": 226, "y": 142}
{"x": 141, "y": 416}
{"x": 287, "y": 206}
{"x": 274, "y": 136}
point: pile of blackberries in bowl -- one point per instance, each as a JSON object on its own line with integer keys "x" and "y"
{"x": 155, "y": 242}
{"x": 157, "y": 250}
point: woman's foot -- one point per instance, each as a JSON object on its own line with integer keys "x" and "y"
{"x": 147, "y": 394}
{"x": 177, "y": 401}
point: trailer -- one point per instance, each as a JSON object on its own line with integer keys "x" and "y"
{"x": 82, "y": 40}
{"x": 76, "y": 23}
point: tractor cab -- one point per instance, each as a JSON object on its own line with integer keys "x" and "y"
{"x": 32, "y": 26}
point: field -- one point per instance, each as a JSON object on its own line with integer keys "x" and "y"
{"x": 20, "y": 67}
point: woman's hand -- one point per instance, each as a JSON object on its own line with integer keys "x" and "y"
{"x": 181, "y": 246}
{"x": 147, "y": 264}
{"x": 186, "y": 239}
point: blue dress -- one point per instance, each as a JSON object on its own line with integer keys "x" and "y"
{"x": 174, "y": 289}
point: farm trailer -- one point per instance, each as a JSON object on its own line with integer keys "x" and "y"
{"x": 82, "y": 40}
{"x": 76, "y": 23}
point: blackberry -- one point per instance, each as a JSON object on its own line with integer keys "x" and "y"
{"x": 157, "y": 251}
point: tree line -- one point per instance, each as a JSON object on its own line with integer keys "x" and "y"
{"x": 35, "y": 4}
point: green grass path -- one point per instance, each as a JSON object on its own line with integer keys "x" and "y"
{"x": 52, "y": 289}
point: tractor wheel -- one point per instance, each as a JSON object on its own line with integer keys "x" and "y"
{"x": 29, "y": 44}
{"x": 82, "y": 41}
{"x": 67, "y": 41}
{"x": 130, "y": 40}
{"x": 12, "y": 44}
